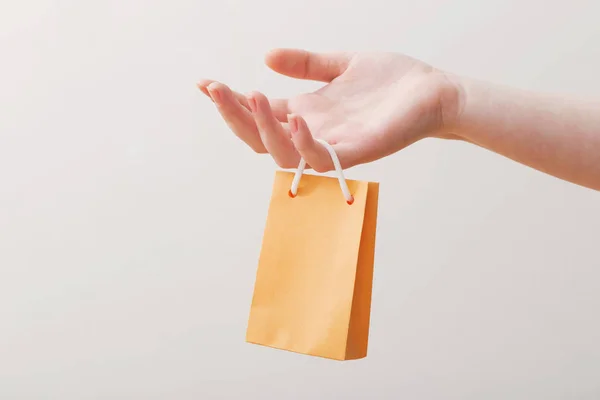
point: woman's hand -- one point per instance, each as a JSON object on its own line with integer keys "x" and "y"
{"x": 373, "y": 105}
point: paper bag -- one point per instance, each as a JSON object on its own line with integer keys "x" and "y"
{"x": 313, "y": 284}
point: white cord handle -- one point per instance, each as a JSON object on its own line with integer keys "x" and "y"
{"x": 338, "y": 170}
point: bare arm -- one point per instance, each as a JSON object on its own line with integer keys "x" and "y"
{"x": 375, "y": 104}
{"x": 556, "y": 135}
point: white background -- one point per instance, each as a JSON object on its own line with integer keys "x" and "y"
{"x": 131, "y": 218}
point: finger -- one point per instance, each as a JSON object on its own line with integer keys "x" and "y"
{"x": 274, "y": 137}
{"x": 203, "y": 86}
{"x": 239, "y": 120}
{"x": 311, "y": 150}
{"x": 279, "y": 106}
{"x": 302, "y": 64}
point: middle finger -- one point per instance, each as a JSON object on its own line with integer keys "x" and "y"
{"x": 238, "y": 118}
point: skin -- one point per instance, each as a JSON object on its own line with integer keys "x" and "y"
{"x": 375, "y": 104}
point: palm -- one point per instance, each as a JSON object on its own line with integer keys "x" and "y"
{"x": 373, "y": 105}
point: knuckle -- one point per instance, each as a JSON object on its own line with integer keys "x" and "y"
{"x": 259, "y": 150}
{"x": 320, "y": 167}
{"x": 284, "y": 163}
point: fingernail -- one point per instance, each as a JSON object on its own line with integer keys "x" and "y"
{"x": 293, "y": 124}
{"x": 252, "y": 103}
{"x": 214, "y": 94}
{"x": 204, "y": 91}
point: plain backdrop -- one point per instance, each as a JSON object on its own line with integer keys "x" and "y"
{"x": 131, "y": 218}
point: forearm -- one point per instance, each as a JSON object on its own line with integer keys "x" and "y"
{"x": 555, "y": 135}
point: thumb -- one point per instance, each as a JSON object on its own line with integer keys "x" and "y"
{"x": 303, "y": 64}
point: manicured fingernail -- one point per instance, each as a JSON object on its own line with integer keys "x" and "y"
{"x": 252, "y": 103}
{"x": 293, "y": 124}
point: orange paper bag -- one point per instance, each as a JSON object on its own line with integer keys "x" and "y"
{"x": 313, "y": 285}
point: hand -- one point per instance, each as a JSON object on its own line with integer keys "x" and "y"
{"x": 373, "y": 105}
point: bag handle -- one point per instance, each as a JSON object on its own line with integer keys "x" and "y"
{"x": 338, "y": 170}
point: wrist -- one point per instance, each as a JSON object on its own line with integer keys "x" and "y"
{"x": 453, "y": 104}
